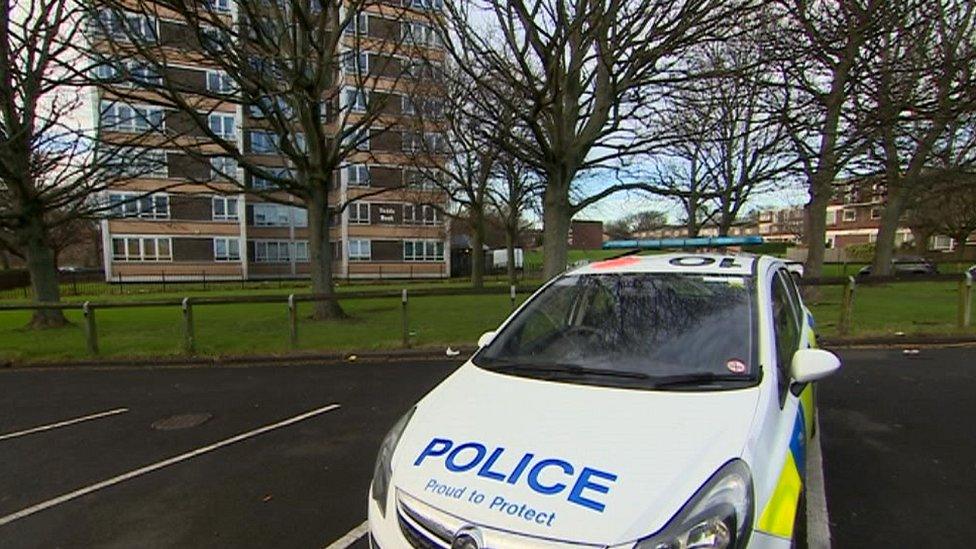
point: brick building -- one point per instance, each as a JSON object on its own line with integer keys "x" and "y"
{"x": 739, "y": 228}
{"x": 585, "y": 235}
{"x": 853, "y": 217}
{"x": 196, "y": 225}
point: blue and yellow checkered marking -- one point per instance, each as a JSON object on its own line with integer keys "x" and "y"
{"x": 779, "y": 514}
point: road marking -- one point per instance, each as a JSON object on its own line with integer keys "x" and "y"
{"x": 352, "y": 537}
{"x": 64, "y": 423}
{"x": 818, "y": 522}
{"x": 159, "y": 465}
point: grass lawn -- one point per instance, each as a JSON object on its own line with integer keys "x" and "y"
{"x": 912, "y": 308}
{"x": 918, "y": 307}
{"x": 259, "y": 328}
{"x": 103, "y": 292}
{"x": 533, "y": 258}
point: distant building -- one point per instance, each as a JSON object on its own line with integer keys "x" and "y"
{"x": 194, "y": 224}
{"x": 739, "y": 228}
{"x": 853, "y": 217}
{"x": 783, "y": 225}
{"x": 585, "y": 235}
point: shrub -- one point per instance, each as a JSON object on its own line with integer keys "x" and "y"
{"x": 768, "y": 248}
{"x": 860, "y": 252}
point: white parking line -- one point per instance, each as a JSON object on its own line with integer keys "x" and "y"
{"x": 159, "y": 465}
{"x": 64, "y": 423}
{"x": 352, "y": 537}
{"x": 818, "y": 523}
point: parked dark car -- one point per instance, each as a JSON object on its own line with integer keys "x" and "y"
{"x": 906, "y": 265}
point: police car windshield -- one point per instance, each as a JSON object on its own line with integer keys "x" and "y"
{"x": 661, "y": 330}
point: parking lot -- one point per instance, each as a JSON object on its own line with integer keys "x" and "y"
{"x": 282, "y": 455}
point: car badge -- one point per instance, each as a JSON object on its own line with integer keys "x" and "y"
{"x": 467, "y": 538}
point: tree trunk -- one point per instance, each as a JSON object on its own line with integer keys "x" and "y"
{"x": 725, "y": 223}
{"x": 320, "y": 255}
{"x": 43, "y": 275}
{"x": 556, "y": 216}
{"x": 510, "y": 253}
{"x": 960, "y": 241}
{"x": 920, "y": 243}
{"x": 815, "y": 224}
{"x": 884, "y": 248}
{"x": 477, "y": 246}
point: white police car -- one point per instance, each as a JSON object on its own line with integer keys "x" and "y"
{"x": 650, "y": 402}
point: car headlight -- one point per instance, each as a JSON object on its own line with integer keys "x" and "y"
{"x": 384, "y": 465}
{"x": 718, "y": 516}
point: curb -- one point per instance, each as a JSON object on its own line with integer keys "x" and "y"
{"x": 818, "y": 517}
{"x": 895, "y": 341}
{"x": 333, "y": 358}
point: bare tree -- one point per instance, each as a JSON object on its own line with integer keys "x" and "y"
{"x": 817, "y": 45}
{"x": 51, "y": 166}
{"x": 456, "y": 158}
{"x": 681, "y": 177}
{"x": 947, "y": 207}
{"x": 920, "y": 85}
{"x": 629, "y": 225}
{"x": 316, "y": 81}
{"x": 726, "y": 140}
{"x": 514, "y": 190}
{"x": 576, "y": 77}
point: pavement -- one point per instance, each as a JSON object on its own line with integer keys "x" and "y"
{"x": 899, "y": 448}
{"x": 299, "y": 485}
{"x": 282, "y": 455}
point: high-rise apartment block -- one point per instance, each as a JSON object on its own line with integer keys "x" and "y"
{"x": 191, "y": 224}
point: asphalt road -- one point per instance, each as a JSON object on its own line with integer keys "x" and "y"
{"x": 899, "y": 447}
{"x": 301, "y": 485}
{"x": 898, "y": 450}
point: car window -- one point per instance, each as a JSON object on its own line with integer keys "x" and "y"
{"x": 649, "y": 326}
{"x": 794, "y": 294}
{"x": 786, "y": 330}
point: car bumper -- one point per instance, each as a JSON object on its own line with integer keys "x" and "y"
{"x": 385, "y": 533}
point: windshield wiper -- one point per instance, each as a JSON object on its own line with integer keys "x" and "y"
{"x": 696, "y": 379}
{"x": 575, "y": 369}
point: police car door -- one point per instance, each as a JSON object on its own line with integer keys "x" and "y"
{"x": 785, "y": 437}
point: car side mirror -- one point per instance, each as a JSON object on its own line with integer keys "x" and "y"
{"x": 485, "y": 339}
{"x": 813, "y": 364}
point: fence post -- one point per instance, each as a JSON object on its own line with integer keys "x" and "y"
{"x": 403, "y": 318}
{"x": 74, "y": 283}
{"x": 188, "y": 339}
{"x": 965, "y": 300}
{"x": 162, "y": 276}
{"x": 512, "y": 295}
{"x": 292, "y": 321}
{"x": 847, "y": 304}
{"x": 204, "y": 273}
{"x": 91, "y": 335}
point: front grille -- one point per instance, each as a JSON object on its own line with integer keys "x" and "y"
{"x": 414, "y": 536}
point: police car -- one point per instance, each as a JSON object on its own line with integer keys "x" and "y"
{"x": 648, "y": 402}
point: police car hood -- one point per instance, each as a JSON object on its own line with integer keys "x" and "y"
{"x": 566, "y": 461}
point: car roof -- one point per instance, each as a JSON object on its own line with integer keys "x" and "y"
{"x": 698, "y": 263}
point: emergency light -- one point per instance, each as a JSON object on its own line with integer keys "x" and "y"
{"x": 701, "y": 242}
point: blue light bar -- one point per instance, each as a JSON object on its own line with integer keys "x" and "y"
{"x": 701, "y": 242}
